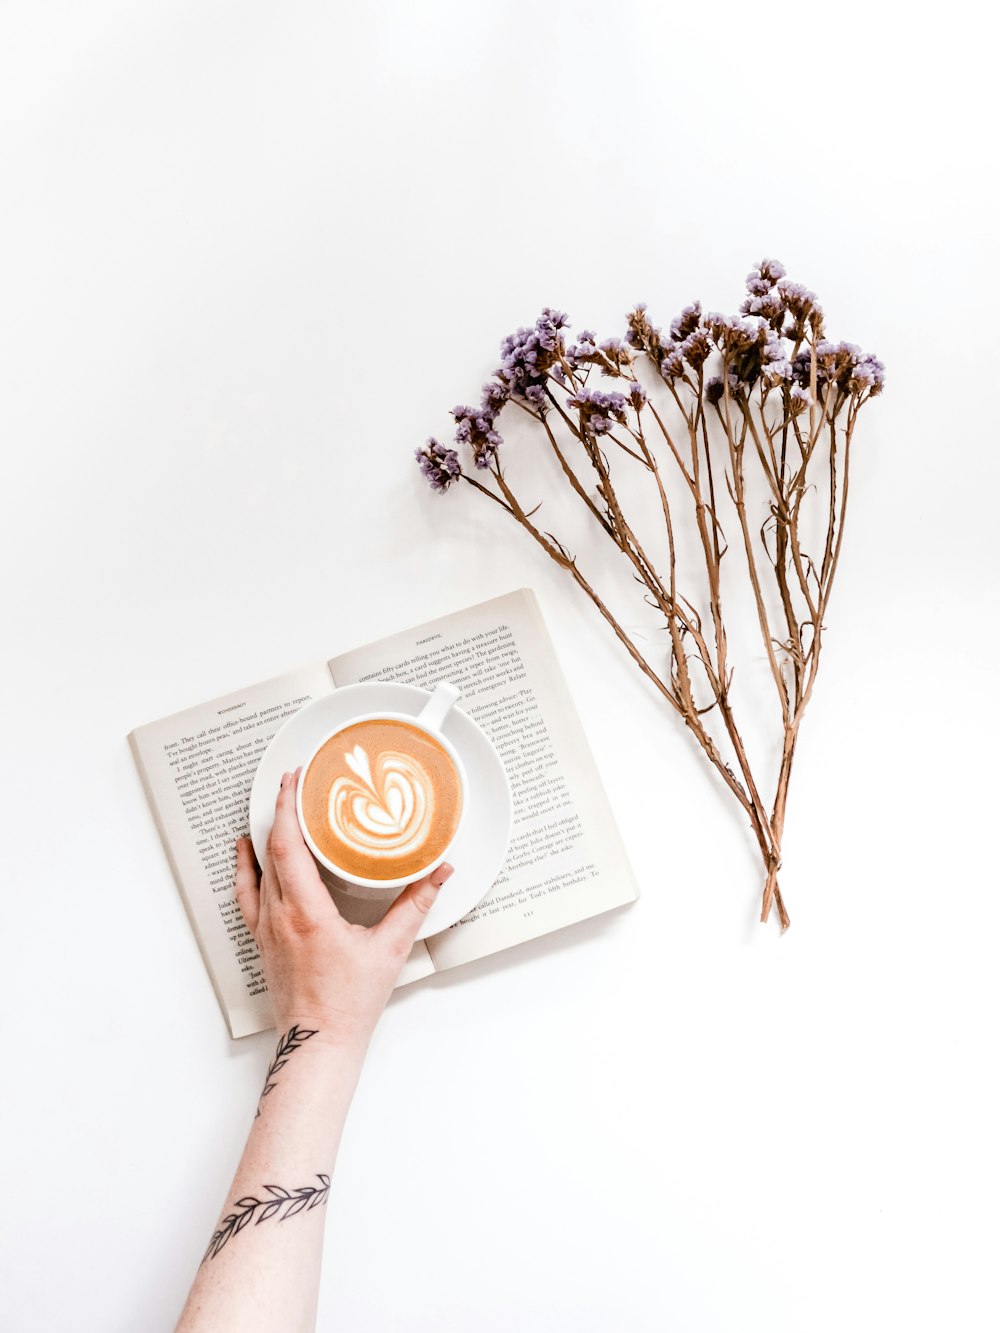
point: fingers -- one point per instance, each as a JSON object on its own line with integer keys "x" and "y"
{"x": 247, "y": 885}
{"x": 408, "y": 913}
{"x": 295, "y": 874}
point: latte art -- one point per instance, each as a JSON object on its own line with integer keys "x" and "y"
{"x": 386, "y": 811}
{"x": 382, "y": 800}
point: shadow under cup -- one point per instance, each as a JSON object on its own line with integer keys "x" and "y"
{"x": 380, "y": 802}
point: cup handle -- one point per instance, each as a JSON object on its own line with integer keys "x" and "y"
{"x": 438, "y": 706}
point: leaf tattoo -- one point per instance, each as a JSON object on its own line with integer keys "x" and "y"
{"x": 287, "y": 1045}
{"x": 282, "y": 1204}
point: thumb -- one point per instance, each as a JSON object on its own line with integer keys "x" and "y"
{"x": 408, "y": 913}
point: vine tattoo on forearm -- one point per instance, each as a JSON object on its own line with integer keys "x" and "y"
{"x": 282, "y": 1204}
{"x": 287, "y": 1045}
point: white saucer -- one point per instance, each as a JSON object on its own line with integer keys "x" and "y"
{"x": 477, "y": 853}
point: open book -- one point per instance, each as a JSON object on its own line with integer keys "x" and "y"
{"x": 565, "y": 861}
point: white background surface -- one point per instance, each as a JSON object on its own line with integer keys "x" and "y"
{"x": 251, "y": 255}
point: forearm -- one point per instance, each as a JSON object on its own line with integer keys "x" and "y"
{"x": 261, "y": 1270}
{"x": 330, "y": 981}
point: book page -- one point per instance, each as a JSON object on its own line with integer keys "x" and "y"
{"x": 198, "y": 767}
{"x": 566, "y": 861}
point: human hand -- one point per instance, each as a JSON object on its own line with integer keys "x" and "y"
{"x": 322, "y": 972}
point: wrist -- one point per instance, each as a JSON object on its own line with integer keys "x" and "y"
{"x": 329, "y": 1031}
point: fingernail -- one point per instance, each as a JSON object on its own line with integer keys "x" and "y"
{"x": 284, "y": 779}
{"x": 444, "y": 872}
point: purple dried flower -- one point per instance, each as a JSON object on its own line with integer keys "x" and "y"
{"x": 438, "y": 464}
{"x": 771, "y": 270}
{"x": 696, "y": 348}
{"x": 763, "y": 297}
{"x": 475, "y": 428}
{"x": 644, "y": 335}
{"x": 611, "y": 356}
{"x": 803, "y": 308}
{"x": 842, "y": 364}
{"x": 616, "y": 356}
{"x": 714, "y": 388}
{"x": 672, "y": 365}
{"x": 529, "y": 354}
{"x": 547, "y": 326}
{"x": 742, "y": 340}
{"x": 796, "y": 296}
{"x": 495, "y": 396}
{"x": 736, "y": 334}
{"x": 775, "y": 365}
{"x": 637, "y": 395}
{"x": 769, "y": 305}
{"x": 868, "y": 373}
{"x": 802, "y": 368}
{"x": 686, "y": 322}
{"x": 838, "y": 361}
{"x": 584, "y": 351}
{"x": 717, "y": 324}
{"x": 599, "y": 411}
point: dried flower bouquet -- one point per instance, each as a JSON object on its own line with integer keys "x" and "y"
{"x": 719, "y": 409}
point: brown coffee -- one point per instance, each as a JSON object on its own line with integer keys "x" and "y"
{"x": 381, "y": 799}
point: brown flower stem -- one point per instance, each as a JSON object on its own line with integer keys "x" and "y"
{"x": 835, "y": 531}
{"x": 778, "y": 813}
{"x": 781, "y": 518}
{"x": 615, "y": 525}
{"x": 690, "y": 716}
{"x": 679, "y": 656}
{"x": 718, "y": 554}
{"x": 623, "y": 536}
{"x": 788, "y": 526}
{"x": 739, "y": 500}
{"x": 767, "y": 840}
{"x": 713, "y": 561}
{"x": 766, "y": 466}
{"x": 671, "y": 446}
{"x": 772, "y": 894}
{"x": 786, "y": 536}
{"x": 558, "y": 553}
{"x": 779, "y": 903}
{"x": 718, "y": 675}
{"x": 679, "y": 619}
{"x": 831, "y": 524}
{"x": 624, "y": 447}
{"x": 827, "y": 588}
{"x": 794, "y": 495}
{"x": 570, "y": 475}
{"x": 485, "y": 490}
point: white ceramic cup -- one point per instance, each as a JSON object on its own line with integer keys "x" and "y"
{"x": 430, "y": 720}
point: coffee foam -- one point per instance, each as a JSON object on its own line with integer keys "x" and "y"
{"x": 381, "y": 799}
{"x": 387, "y": 809}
